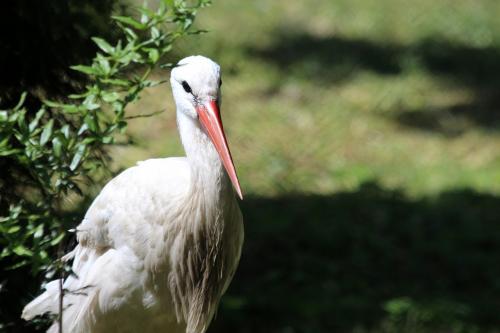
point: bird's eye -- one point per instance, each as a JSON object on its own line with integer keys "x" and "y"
{"x": 220, "y": 83}
{"x": 186, "y": 87}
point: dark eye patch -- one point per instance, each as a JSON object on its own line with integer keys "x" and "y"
{"x": 186, "y": 87}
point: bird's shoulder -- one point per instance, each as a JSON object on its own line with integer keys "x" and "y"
{"x": 173, "y": 169}
{"x": 168, "y": 176}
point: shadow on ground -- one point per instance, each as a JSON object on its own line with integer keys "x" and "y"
{"x": 475, "y": 68}
{"x": 336, "y": 59}
{"x": 331, "y": 59}
{"x": 369, "y": 259}
{"x": 483, "y": 111}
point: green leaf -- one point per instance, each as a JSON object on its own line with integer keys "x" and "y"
{"x": 130, "y": 34}
{"x": 89, "y": 140}
{"x": 21, "y": 122}
{"x": 77, "y": 157}
{"x": 70, "y": 108}
{"x": 155, "y": 33}
{"x": 20, "y": 250}
{"x": 38, "y": 231}
{"x": 91, "y": 122}
{"x": 4, "y": 116}
{"x": 43, "y": 255}
{"x": 57, "y": 240}
{"x": 53, "y": 104}
{"x": 65, "y": 131}
{"x": 130, "y": 56}
{"x": 129, "y": 21}
{"x": 83, "y": 128}
{"x": 4, "y": 140}
{"x": 146, "y": 12}
{"x": 13, "y": 229}
{"x": 117, "y": 82}
{"x": 18, "y": 264}
{"x": 47, "y": 132}
{"x": 90, "y": 104}
{"x": 7, "y": 152}
{"x": 34, "y": 123}
{"x": 57, "y": 146}
{"x": 166, "y": 48}
{"x": 104, "y": 65}
{"x": 103, "y": 45}
{"x": 85, "y": 69}
{"x": 154, "y": 55}
{"x": 107, "y": 139}
{"x": 144, "y": 18}
{"x": 118, "y": 107}
{"x": 110, "y": 97}
{"x": 21, "y": 101}
{"x": 13, "y": 117}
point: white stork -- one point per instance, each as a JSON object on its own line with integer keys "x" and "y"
{"x": 159, "y": 245}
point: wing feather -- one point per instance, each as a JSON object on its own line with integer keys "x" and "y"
{"x": 108, "y": 262}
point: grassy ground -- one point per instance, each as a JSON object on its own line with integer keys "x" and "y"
{"x": 322, "y": 96}
{"x": 366, "y": 134}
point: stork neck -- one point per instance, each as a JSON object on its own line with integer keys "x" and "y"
{"x": 207, "y": 172}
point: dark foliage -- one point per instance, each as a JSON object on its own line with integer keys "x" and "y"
{"x": 41, "y": 39}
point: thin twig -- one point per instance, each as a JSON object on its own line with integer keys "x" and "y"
{"x": 146, "y": 115}
{"x": 61, "y": 296}
{"x": 60, "y": 267}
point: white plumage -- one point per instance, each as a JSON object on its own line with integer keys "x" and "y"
{"x": 159, "y": 245}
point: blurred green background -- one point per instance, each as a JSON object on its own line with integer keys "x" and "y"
{"x": 366, "y": 138}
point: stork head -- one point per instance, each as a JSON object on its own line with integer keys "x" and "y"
{"x": 196, "y": 83}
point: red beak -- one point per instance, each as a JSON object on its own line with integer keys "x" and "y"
{"x": 209, "y": 116}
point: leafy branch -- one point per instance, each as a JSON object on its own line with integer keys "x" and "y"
{"x": 54, "y": 149}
